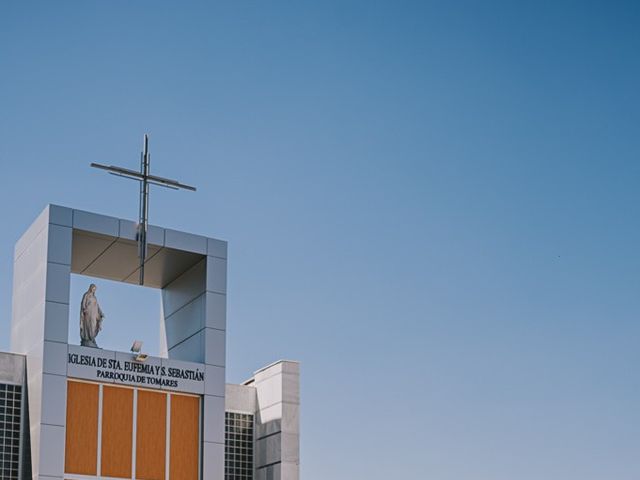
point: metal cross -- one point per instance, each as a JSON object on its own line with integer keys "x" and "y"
{"x": 145, "y": 179}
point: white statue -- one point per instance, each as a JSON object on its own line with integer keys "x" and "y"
{"x": 90, "y": 318}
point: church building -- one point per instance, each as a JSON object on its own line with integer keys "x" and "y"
{"x": 76, "y": 412}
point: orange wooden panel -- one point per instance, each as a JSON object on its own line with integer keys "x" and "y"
{"x": 151, "y": 435}
{"x": 117, "y": 432}
{"x": 184, "y": 444}
{"x": 81, "y": 452}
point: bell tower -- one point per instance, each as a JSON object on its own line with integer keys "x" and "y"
{"x": 95, "y": 412}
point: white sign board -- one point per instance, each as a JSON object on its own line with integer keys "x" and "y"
{"x": 121, "y": 368}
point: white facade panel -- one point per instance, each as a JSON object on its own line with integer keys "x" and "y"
{"x": 185, "y": 321}
{"x": 216, "y": 275}
{"x": 184, "y": 289}
{"x": 62, "y": 216}
{"x": 58, "y": 282}
{"x": 155, "y": 235}
{"x": 12, "y": 368}
{"x": 31, "y": 308}
{"x": 129, "y": 231}
{"x": 290, "y": 422}
{"x": 216, "y": 311}
{"x": 290, "y": 448}
{"x": 269, "y": 414}
{"x": 190, "y": 350}
{"x": 59, "y": 244}
{"x": 35, "y": 446}
{"x": 51, "y": 450}
{"x": 214, "y": 380}
{"x": 290, "y": 388}
{"x": 268, "y": 450}
{"x": 54, "y": 391}
{"x": 213, "y": 430}
{"x": 240, "y": 398}
{"x": 29, "y": 331}
{"x": 29, "y": 273}
{"x": 277, "y": 426}
{"x": 92, "y": 222}
{"x": 36, "y": 228}
{"x": 55, "y": 358}
{"x": 269, "y": 391}
{"x": 213, "y": 461}
{"x": 185, "y": 241}
{"x": 217, "y": 248}
{"x": 289, "y": 471}
{"x": 34, "y": 364}
{"x": 56, "y": 322}
{"x": 215, "y": 347}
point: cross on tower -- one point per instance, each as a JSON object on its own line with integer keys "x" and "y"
{"x": 145, "y": 179}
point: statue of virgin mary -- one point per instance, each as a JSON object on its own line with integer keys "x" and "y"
{"x": 90, "y": 318}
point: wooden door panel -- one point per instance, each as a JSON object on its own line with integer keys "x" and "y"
{"x": 151, "y": 435}
{"x": 81, "y": 449}
{"x": 117, "y": 432}
{"x": 185, "y": 433}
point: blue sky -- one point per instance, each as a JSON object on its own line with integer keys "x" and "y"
{"x": 432, "y": 205}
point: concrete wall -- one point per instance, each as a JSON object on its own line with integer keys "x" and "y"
{"x": 12, "y": 368}
{"x": 278, "y": 421}
{"x": 273, "y": 397}
{"x": 241, "y": 399}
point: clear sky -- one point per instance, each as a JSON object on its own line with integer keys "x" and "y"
{"x": 434, "y": 206}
